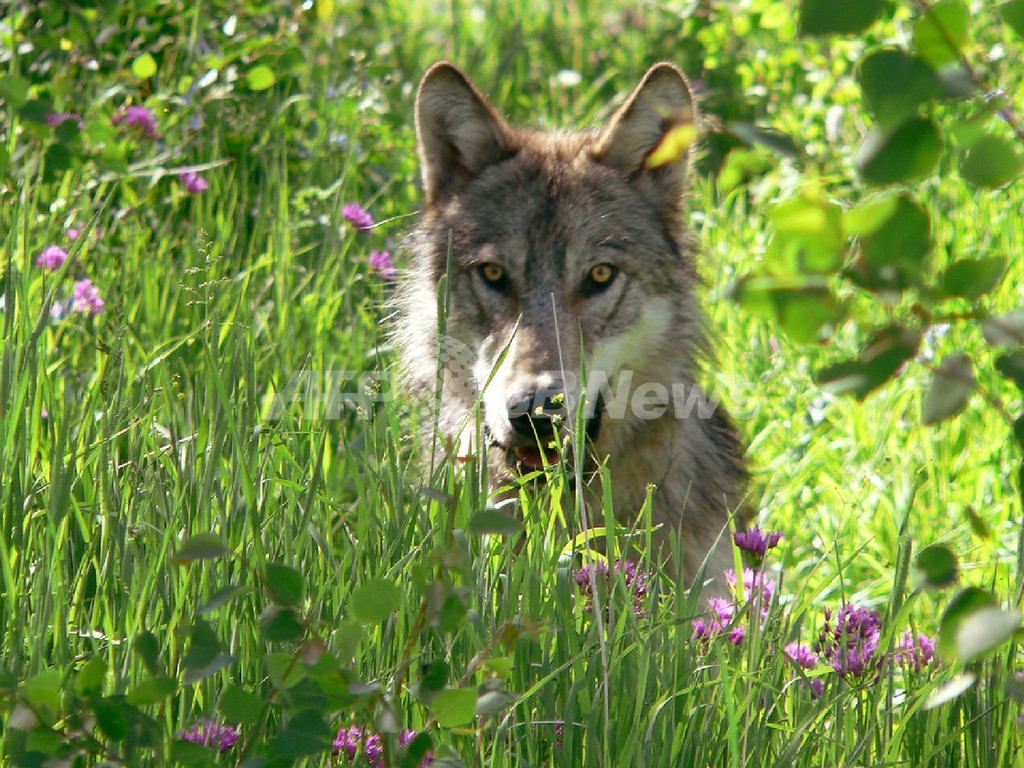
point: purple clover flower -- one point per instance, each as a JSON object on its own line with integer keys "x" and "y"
{"x": 801, "y": 655}
{"x": 74, "y": 232}
{"x": 220, "y": 737}
{"x": 756, "y": 542}
{"x": 914, "y": 652}
{"x": 358, "y": 216}
{"x": 352, "y": 742}
{"x": 383, "y": 265}
{"x": 758, "y": 589}
{"x": 87, "y": 298}
{"x": 52, "y": 258}
{"x": 139, "y": 119}
{"x": 56, "y": 118}
{"x": 636, "y": 579}
{"x": 849, "y": 646}
{"x": 194, "y": 183}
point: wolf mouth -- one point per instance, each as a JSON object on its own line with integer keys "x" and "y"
{"x": 541, "y": 452}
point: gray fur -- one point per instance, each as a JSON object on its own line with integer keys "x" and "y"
{"x": 547, "y": 207}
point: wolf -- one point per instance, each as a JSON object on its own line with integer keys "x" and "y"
{"x": 552, "y": 270}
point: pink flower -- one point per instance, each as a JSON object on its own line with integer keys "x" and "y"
{"x": 802, "y": 655}
{"x": 52, "y": 258}
{"x": 74, "y": 232}
{"x": 194, "y": 183}
{"x": 359, "y": 216}
{"x": 56, "y": 118}
{"x": 138, "y": 118}
{"x": 87, "y": 298}
{"x": 915, "y": 652}
{"x": 756, "y": 542}
{"x": 383, "y": 265}
{"x": 220, "y": 737}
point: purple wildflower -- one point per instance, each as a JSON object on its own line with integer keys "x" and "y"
{"x": 917, "y": 653}
{"x": 74, "y": 232}
{"x": 756, "y": 542}
{"x": 52, "y": 258}
{"x": 139, "y": 119}
{"x": 849, "y": 647}
{"x": 56, "y": 118}
{"x": 383, "y": 265}
{"x": 193, "y": 182}
{"x": 87, "y": 298}
{"x": 801, "y": 655}
{"x": 817, "y": 688}
{"x": 221, "y": 737}
{"x": 758, "y": 589}
{"x": 358, "y": 216}
{"x": 634, "y": 576}
{"x": 352, "y": 742}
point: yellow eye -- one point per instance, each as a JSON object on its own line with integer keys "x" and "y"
{"x": 493, "y": 273}
{"x": 602, "y": 274}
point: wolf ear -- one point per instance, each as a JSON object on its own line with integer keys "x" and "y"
{"x": 458, "y": 133}
{"x": 662, "y": 102}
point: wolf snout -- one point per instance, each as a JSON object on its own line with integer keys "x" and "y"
{"x": 532, "y": 415}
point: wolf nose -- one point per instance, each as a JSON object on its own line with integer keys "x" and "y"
{"x": 532, "y": 414}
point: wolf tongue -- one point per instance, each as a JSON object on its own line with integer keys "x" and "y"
{"x": 530, "y": 458}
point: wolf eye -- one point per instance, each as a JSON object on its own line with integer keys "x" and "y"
{"x": 494, "y": 275}
{"x": 598, "y": 278}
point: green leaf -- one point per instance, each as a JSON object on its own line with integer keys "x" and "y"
{"x": 112, "y": 717}
{"x": 773, "y": 140}
{"x": 1004, "y": 330}
{"x": 152, "y": 691}
{"x": 433, "y": 679}
{"x": 951, "y": 689}
{"x": 938, "y": 565}
{"x": 14, "y": 90}
{"x": 413, "y": 754}
{"x": 918, "y": 84}
{"x": 280, "y": 625}
{"x": 452, "y": 613}
{"x": 144, "y": 66}
{"x": 204, "y": 646}
{"x": 455, "y": 706}
{"x": 869, "y": 215}
{"x": 260, "y": 78}
{"x": 886, "y": 352}
{"x": 894, "y": 254}
{"x": 221, "y": 597}
{"x": 43, "y": 691}
{"x": 991, "y": 161}
{"x": 191, "y": 755}
{"x": 89, "y": 683}
{"x": 972, "y": 278}
{"x": 905, "y": 153}
{"x": 951, "y": 389}
{"x": 984, "y": 630}
{"x": 1012, "y": 14}
{"x": 1011, "y": 366}
{"x": 837, "y": 17}
{"x": 803, "y": 306}
{"x": 374, "y": 601}
{"x": 202, "y": 546}
{"x": 808, "y": 238}
{"x": 941, "y": 32}
{"x": 967, "y": 602}
{"x": 238, "y": 705}
{"x": 147, "y": 647}
{"x": 494, "y": 521}
{"x": 284, "y": 584}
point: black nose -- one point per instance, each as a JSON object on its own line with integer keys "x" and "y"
{"x": 532, "y": 414}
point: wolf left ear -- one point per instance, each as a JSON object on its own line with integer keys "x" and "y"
{"x": 662, "y": 102}
{"x": 458, "y": 132}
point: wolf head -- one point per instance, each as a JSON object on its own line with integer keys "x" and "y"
{"x": 551, "y": 269}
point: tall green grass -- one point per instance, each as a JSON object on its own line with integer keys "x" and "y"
{"x": 123, "y": 435}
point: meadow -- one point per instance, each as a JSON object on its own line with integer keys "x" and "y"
{"x": 222, "y": 541}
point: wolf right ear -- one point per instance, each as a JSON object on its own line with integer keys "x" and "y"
{"x": 458, "y": 133}
{"x": 661, "y": 104}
